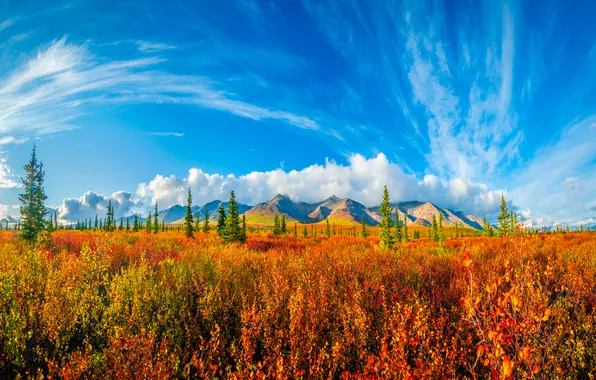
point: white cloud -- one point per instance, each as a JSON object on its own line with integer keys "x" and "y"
{"x": 7, "y": 178}
{"x": 91, "y": 204}
{"x": 167, "y": 134}
{"x": 362, "y": 180}
{"x": 152, "y": 47}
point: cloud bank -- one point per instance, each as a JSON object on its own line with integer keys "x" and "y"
{"x": 362, "y": 179}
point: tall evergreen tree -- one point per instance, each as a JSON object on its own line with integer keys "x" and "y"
{"x": 406, "y": 238}
{"x": 233, "y": 231}
{"x": 441, "y": 232}
{"x": 221, "y": 221}
{"x": 109, "y": 217}
{"x": 282, "y": 225}
{"x": 386, "y": 221}
{"x": 206, "y": 222}
{"x": 364, "y": 232}
{"x": 295, "y": 229}
{"x": 127, "y": 225}
{"x": 504, "y": 218}
{"x": 397, "y": 235}
{"x": 155, "y": 220}
{"x": 121, "y": 227}
{"x": 243, "y": 235}
{"x": 149, "y": 224}
{"x": 513, "y": 222}
{"x": 136, "y": 227}
{"x": 327, "y": 228}
{"x": 304, "y": 230}
{"x": 276, "y": 225}
{"x": 33, "y": 209}
{"x": 435, "y": 229}
{"x": 188, "y": 231}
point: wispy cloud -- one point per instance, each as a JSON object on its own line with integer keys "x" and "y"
{"x": 6, "y": 24}
{"x": 153, "y": 47}
{"x": 63, "y": 81}
{"x": 167, "y": 134}
{"x": 557, "y": 183}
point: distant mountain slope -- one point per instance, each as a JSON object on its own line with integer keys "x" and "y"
{"x": 345, "y": 210}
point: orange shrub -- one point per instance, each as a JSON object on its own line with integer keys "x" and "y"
{"x": 122, "y": 305}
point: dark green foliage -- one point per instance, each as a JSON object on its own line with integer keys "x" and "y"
{"x": 33, "y": 209}
{"x": 206, "y": 222}
{"x": 435, "y": 229}
{"x": 363, "y": 232}
{"x": 386, "y": 222}
{"x": 282, "y": 225}
{"x": 233, "y": 231}
{"x": 155, "y": 220}
{"x": 243, "y": 233}
{"x": 504, "y": 218}
{"x": 406, "y": 238}
{"x": 397, "y": 236}
{"x": 149, "y": 225}
{"x": 327, "y": 228}
{"x": 188, "y": 230}
{"x": 221, "y": 221}
{"x": 276, "y": 225}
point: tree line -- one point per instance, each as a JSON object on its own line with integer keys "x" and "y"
{"x": 230, "y": 227}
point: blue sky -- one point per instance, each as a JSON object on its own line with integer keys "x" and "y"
{"x": 453, "y": 102}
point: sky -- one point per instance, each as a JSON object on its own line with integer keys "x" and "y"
{"x": 451, "y": 102}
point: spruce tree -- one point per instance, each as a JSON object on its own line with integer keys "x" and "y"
{"x": 441, "y": 232}
{"x": 33, "y": 209}
{"x": 221, "y": 221}
{"x": 435, "y": 229}
{"x": 233, "y": 231}
{"x": 282, "y": 225}
{"x": 327, "y": 228}
{"x": 206, "y": 222}
{"x": 243, "y": 235}
{"x": 397, "y": 236}
{"x": 295, "y": 229}
{"x": 304, "y": 230}
{"x": 121, "y": 228}
{"x": 149, "y": 225}
{"x": 364, "y": 232}
{"x": 513, "y": 222}
{"x": 276, "y": 226}
{"x": 135, "y": 227}
{"x": 504, "y": 218}
{"x": 386, "y": 221}
{"x": 405, "y": 234}
{"x": 155, "y": 220}
{"x": 188, "y": 231}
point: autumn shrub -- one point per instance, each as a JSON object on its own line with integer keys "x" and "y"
{"x": 80, "y": 304}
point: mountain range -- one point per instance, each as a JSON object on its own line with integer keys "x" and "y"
{"x": 349, "y": 211}
{"x": 338, "y": 210}
{"x": 344, "y": 211}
